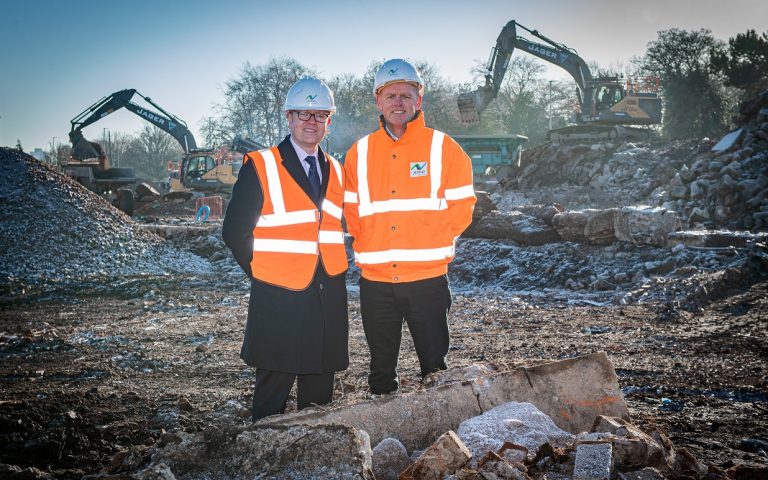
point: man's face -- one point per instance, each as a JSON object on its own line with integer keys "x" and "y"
{"x": 307, "y": 133}
{"x": 398, "y": 102}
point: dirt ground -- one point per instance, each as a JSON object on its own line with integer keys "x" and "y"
{"x": 87, "y": 376}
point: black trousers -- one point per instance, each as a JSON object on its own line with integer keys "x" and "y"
{"x": 424, "y": 306}
{"x": 272, "y": 389}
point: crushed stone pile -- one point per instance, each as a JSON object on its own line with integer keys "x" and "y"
{"x": 726, "y": 188}
{"x": 56, "y": 233}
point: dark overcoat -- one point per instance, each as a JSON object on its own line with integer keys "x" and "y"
{"x": 302, "y": 332}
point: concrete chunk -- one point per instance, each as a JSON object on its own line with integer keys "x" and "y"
{"x": 442, "y": 458}
{"x": 593, "y": 461}
{"x": 389, "y": 459}
{"x": 645, "y": 225}
{"x": 493, "y": 467}
{"x": 571, "y": 392}
{"x": 299, "y": 452}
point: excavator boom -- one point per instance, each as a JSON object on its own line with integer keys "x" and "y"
{"x": 82, "y": 148}
{"x": 603, "y": 101}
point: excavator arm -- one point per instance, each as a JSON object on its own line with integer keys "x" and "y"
{"x": 82, "y": 148}
{"x": 471, "y": 104}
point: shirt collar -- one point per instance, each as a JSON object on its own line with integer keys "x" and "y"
{"x": 300, "y": 151}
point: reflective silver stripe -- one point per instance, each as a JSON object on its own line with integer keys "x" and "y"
{"x": 350, "y": 197}
{"x": 459, "y": 192}
{"x": 273, "y": 181}
{"x": 284, "y": 246}
{"x": 403, "y": 255}
{"x": 406, "y": 205}
{"x": 287, "y": 218}
{"x": 331, "y": 209}
{"x": 436, "y": 162}
{"x": 363, "y": 193}
{"x": 326, "y": 236}
{"x": 435, "y": 171}
{"x": 336, "y": 167}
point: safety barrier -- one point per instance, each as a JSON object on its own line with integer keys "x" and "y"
{"x": 215, "y": 206}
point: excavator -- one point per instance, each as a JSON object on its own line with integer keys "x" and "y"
{"x": 608, "y": 107}
{"x": 198, "y": 171}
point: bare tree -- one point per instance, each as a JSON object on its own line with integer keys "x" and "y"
{"x": 150, "y": 152}
{"x": 253, "y": 104}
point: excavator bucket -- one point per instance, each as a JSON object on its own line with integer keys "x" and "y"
{"x": 472, "y": 103}
{"x": 83, "y": 149}
{"x": 467, "y": 109}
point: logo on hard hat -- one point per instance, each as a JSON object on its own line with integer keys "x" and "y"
{"x": 311, "y": 98}
{"x": 392, "y": 72}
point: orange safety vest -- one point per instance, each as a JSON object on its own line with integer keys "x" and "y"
{"x": 291, "y": 233}
{"x": 407, "y": 201}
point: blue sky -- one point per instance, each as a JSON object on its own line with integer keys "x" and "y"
{"x": 59, "y": 57}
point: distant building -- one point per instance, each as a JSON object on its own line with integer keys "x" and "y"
{"x": 38, "y": 154}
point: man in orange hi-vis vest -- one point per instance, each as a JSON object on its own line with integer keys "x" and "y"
{"x": 283, "y": 225}
{"x": 409, "y": 196}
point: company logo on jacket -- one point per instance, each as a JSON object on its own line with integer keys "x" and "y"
{"x": 418, "y": 169}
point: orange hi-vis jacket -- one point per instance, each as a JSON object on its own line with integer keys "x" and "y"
{"x": 291, "y": 233}
{"x": 406, "y": 202}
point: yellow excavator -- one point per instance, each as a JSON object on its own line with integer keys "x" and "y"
{"x": 609, "y": 108}
{"x": 197, "y": 171}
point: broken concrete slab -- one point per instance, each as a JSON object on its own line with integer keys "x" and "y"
{"x": 645, "y": 225}
{"x": 728, "y": 140}
{"x": 516, "y": 226}
{"x": 571, "y": 392}
{"x": 442, "y": 458}
{"x": 416, "y": 419}
{"x": 298, "y": 452}
{"x": 599, "y": 229}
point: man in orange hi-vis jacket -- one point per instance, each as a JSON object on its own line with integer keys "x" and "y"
{"x": 408, "y": 197}
{"x": 283, "y": 225}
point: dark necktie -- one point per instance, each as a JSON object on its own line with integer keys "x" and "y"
{"x": 314, "y": 178}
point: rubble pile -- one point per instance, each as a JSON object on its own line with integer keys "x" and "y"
{"x": 56, "y": 233}
{"x": 723, "y": 186}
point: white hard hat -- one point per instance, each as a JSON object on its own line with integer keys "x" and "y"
{"x": 309, "y": 93}
{"x": 397, "y": 70}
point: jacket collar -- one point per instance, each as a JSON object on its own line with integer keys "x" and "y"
{"x": 292, "y": 163}
{"x": 416, "y": 123}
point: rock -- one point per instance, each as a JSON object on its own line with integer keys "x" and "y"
{"x": 570, "y": 225}
{"x": 298, "y": 452}
{"x": 599, "y": 229}
{"x": 647, "y": 473}
{"x": 494, "y": 467}
{"x": 594, "y": 461}
{"x": 519, "y": 423}
{"x": 649, "y": 226}
{"x": 634, "y": 448}
{"x": 515, "y": 226}
{"x": 442, "y": 458}
{"x": 389, "y": 459}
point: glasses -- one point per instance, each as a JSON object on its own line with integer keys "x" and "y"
{"x": 305, "y": 116}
